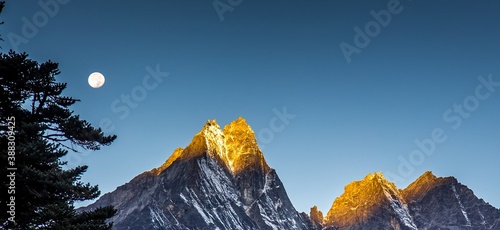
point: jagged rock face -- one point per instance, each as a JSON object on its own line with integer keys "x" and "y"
{"x": 219, "y": 181}
{"x": 443, "y": 203}
{"x": 242, "y": 150}
{"x": 316, "y": 216}
{"x": 428, "y": 203}
{"x": 373, "y": 203}
{"x": 236, "y": 146}
{"x": 222, "y": 181}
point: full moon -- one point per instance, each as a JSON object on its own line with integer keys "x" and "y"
{"x": 96, "y": 80}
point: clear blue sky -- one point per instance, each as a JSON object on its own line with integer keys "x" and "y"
{"x": 351, "y": 118}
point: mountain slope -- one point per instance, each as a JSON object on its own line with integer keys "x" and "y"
{"x": 219, "y": 181}
{"x": 372, "y": 202}
{"x": 445, "y": 203}
{"x": 427, "y": 203}
{"x": 222, "y": 181}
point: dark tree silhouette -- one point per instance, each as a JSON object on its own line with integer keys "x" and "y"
{"x": 41, "y": 131}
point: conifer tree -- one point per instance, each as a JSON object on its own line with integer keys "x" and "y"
{"x": 37, "y": 129}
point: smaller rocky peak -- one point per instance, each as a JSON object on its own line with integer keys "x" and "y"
{"x": 428, "y": 176}
{"x": 422, "y": 185}
{"x": 364, "y": 199}
{"x": 316, "y": 216}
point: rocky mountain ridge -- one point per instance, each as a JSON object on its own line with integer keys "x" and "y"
{"x": 429, "y": 202}
{"x": 219, "y": 181}
{"x": 222, "y": 181}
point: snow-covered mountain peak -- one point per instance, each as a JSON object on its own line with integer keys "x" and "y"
{"x": 219, "y": 181}
{"x": 209, "y": 140}
{"x": 235, "y": 147}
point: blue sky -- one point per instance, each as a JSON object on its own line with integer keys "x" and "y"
{"x": 352, "y": 118}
